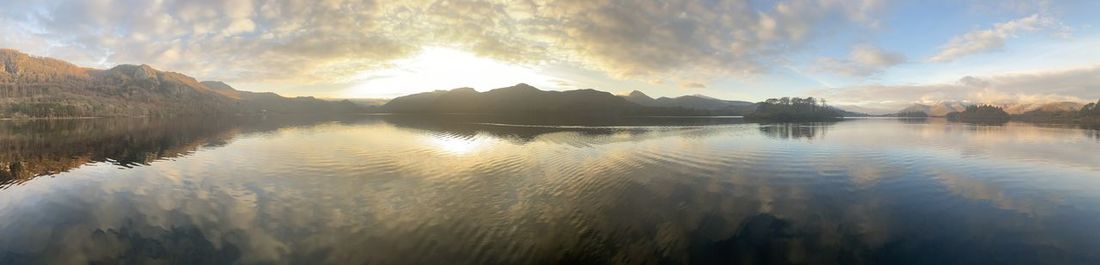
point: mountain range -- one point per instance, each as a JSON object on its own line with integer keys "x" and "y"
{"x": 943, "y": 108}
{"x": 521, "y": 98}
{"x": 938, "y": 109}
{"x": 526, "y": 99}
{"x": 33, "y": 86}
{"x": 692, "y": 102}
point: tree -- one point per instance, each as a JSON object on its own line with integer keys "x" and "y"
{"x": 980, "y": 113}
{"x": 793, "y": 109}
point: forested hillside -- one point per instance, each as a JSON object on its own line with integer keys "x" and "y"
{"x": 38, "y": 87}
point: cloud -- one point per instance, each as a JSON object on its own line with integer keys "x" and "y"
{"x": 863, "y": 60}
{"x": 1077, "y": 85}
{"x": 986, "y": 40}
{"x": 693, "y": 85}
{"x": 330, "y": 41}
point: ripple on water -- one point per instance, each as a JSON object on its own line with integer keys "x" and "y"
{"x": 875, "y": 191}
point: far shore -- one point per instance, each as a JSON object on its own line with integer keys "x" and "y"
{"x": 55, "y": 118}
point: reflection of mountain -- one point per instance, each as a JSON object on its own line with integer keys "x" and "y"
{"x": 44, "y": 87}
{"x": 795, "y": 130}
{"x": 314, "y": 197}
{"x": 527, "y": 128}
{"x": 526, "y": 99}
{"x": 45, "y": 147}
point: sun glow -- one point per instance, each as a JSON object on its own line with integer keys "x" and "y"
{"x": 437, "y": 68}
{"x": 456, "y": 145}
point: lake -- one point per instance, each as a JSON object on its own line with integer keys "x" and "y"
{"x": 400, "y": 189}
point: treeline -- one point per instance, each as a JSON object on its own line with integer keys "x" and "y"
{"x": 794, "y": 109}
{"x": 1091, "y": 113}
{"x": 980, "y": 113}
{"x": 911, "y": 114}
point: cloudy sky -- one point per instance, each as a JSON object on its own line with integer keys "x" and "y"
{"x": 872, "y": 53}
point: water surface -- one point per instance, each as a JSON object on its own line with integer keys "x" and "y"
{"x": 491, "y": 190}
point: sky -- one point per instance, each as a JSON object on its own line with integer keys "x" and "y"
{"x": 878, "y": 55}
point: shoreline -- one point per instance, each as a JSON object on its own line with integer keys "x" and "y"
{"x": 56, "y": 118}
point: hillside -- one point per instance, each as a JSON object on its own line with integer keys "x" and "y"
{"x": 943, "y": 108}
{"x": 696, "y": 102}
{"x": 37, "y": 87}
{"x": 521, "y": 98}
{"x": 936, "y": 110}
{"x": 1090, "y": 114}
{"x": 1043, "y": 107}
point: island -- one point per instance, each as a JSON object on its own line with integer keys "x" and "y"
{"x": 1090, "y": 114}
{"x": 980, "y": 114}
{"x": 794, "y": 110}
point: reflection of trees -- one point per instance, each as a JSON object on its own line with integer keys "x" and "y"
{"x": 1093, "y": 133}
{"x": 44, "y": 147}
{"x": 913, "y": 120}
{"x": 795, "y": 130}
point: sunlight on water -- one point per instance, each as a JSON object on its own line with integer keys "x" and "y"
{"x": 462, "y": 190}
{"x": 456, "y": 144}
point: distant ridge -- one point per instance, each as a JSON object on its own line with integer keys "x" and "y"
{"x": 40, "y": 87}
{"x": 936, "y": 110}
{"x": 698, "y": 102}
{"x": 520, "y": 98}
{"x": 524, "y": 98}
{"x": 1063, "y": 106}
{"x": 943, "y": 108}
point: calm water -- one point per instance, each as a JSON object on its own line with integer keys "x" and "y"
{"x": 480, "y": 190}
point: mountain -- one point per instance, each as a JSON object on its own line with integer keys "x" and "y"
{"x": 368, "y": 102}
{"x": 521, "y": 98}
{"x": 939, "y": 110}
{"x": 865, "y": 111}
{"x": 1043, "y": 107}
{"x": 942, "y": 108}
{"x": 640, "y": 98}
{"x": 694, "y": 102}
{"x": 848, "y": 113}
{"x": 33, "y": 86}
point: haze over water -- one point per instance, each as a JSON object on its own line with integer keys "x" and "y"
{"x": 395, "y": 189}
